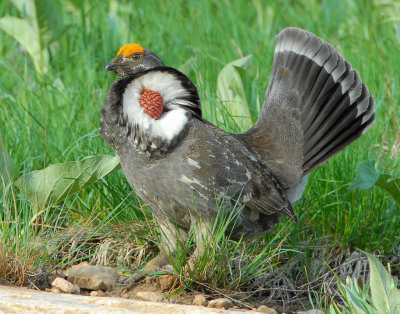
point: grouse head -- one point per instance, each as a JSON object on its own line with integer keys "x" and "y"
{"x": 131, "y": 59}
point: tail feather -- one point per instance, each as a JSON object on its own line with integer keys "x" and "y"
{"x": 343, "y": 139}
{"x": 331, "y": 117}
{"x": 315, "y": 105}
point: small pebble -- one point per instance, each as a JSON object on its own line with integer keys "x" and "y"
{"x": 97, "y": 293}
{"x": 199, "y": 300}
{"x": 221, "y": 303}
{"x": 150, "y": 296}
{"x": 266, "y": 309}
{"x": 55, "y": 290}
{"x": 166, "y": 282}
{"x": 65, "y": 286}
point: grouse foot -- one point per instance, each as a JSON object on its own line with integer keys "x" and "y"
{"x": 152, "y": 266}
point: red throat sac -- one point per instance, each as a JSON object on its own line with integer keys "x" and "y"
{"x": 152, "y": 103}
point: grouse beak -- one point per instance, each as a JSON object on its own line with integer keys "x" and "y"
{"x": 111, "y": 66}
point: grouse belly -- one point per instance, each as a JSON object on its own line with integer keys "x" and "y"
{"x": 207, "y": 172}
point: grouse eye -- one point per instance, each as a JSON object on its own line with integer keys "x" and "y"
{"x": 136, "y": 56}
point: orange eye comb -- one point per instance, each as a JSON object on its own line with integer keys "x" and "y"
{"x": 129, "y": 49}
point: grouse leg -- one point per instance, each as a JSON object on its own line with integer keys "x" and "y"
{"x": 170, "y": 235}
{"x": 202, "y": 235}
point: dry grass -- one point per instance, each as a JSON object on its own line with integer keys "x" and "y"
{"x": 292, "y": 283}
{"x": 297, "y": 280}
{"x": 122, "y": 245}
{"x": 14, "y": 269}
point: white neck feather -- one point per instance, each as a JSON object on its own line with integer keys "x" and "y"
{"x": 172, "y": 121}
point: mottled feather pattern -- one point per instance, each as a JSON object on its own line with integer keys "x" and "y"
{"x": 315, "y": 105}
{"x": 204, "y": 151}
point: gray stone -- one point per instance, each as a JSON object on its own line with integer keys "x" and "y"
{"x": 65, "y": 286}
{"x": 313, "y": 311}
{"x": 199, "y": 300}
{"x": 221, "y": 303}
{"x": 93, "y": 277}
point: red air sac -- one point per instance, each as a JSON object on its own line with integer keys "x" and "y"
{"x": 152, "y": 103}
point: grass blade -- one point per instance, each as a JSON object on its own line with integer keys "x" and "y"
{"x": 231, "y": 92}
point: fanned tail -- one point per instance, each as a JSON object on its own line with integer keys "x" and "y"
{"x": 315, "y": 105}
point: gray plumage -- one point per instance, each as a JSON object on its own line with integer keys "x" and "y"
{"x": 203, "y": 163}
{"x": 315, "y": 105}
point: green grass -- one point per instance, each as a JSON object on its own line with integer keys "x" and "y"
{"x": 53, "y": 118}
